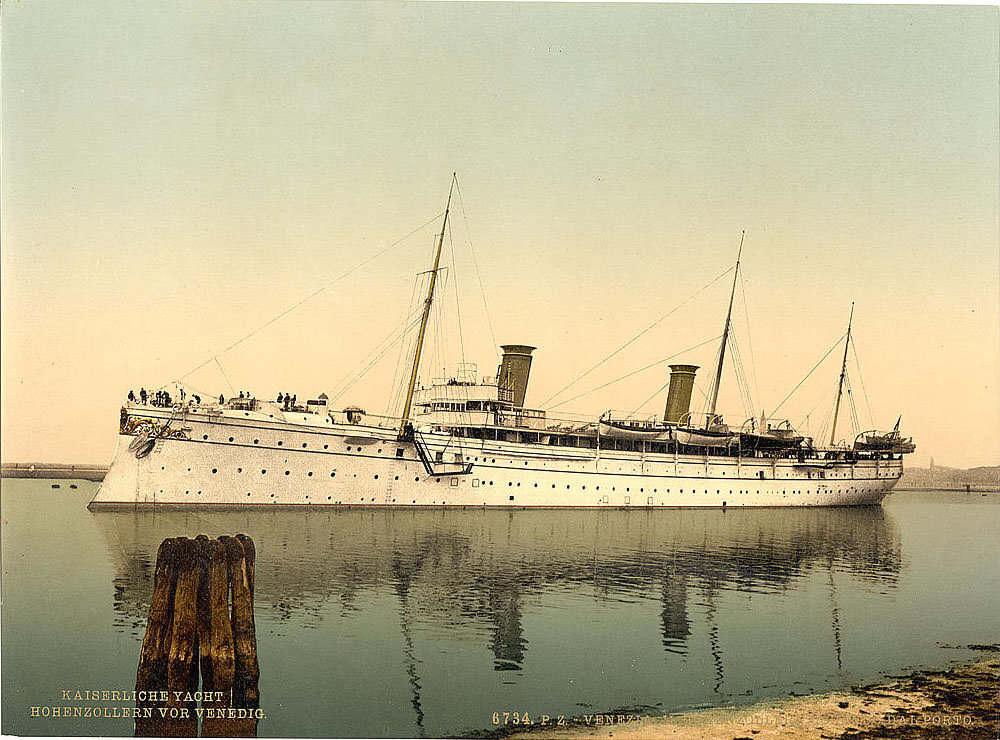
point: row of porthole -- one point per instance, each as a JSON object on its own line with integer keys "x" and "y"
{"x": 643, "y": 490}
{"x": 280, "y": 443}
{"x": 333, "y": 474}
{"x": 511, "y": 483}
{"x": 518, "y": 484}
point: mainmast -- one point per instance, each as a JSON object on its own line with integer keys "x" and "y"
{"x": 725, "y": 336}
{"x": 424, "y": 318}
{"x": 843, "y": 373}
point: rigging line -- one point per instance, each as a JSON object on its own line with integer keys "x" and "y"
{"x": 871, "y": 414}
{"x": 738, "y": 371}
{"x": 706, "y": 396}
{"x": 636, "y": 337}
{"x": 775, "y": 411}
{"x": 741, "y": 379}
{"x": 475, "y": 265}
{"x": 397, "y": 398}
{"x": 410, "y": 346}
{"x": 389, "y": 338}
{"x": 375, "y": 360}
{"x": 231, "y": 389}
{"x": 458, "y": 304}
{"x": 854, "y": 408}
{"x": 399, "y": 357}
{"x": 634, "y": 372}
{"x": 746, "y": 318}
{"x": 648, "y": 399}
{"x": 188, "y": 387}
{"x": 313, "y": 295}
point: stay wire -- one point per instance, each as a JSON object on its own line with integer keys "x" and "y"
{"x": 861, "y": 376}
{"x": 746, "y": 318}
{"x": 352, "y": 377}
{"x": 475, "y": 265}
{"x": 635, "y": 372}
{"x": 371, "y": 364}
{"x": 635, "y": 338}
{"x": 827, "y": 354}
{"x": 312, "y": 295}
{"x": 458, "y": 303}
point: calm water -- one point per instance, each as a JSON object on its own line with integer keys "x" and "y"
{"x": 424, "y": 623}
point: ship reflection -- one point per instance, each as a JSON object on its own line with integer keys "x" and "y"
{"x": 456, "y": 567}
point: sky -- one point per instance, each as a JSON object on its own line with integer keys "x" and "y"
{"x": 176, "y": 176}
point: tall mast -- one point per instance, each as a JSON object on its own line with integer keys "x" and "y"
{"x": 843, "y": 372}
{"x": 725, "y": 335}
{"x": 426, "y": 315}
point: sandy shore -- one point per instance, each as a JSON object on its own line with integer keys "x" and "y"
{"x": 958, "y": 702}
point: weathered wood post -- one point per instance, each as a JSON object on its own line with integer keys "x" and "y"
{"x": 152, "y": 672}
{"x": 215, "y": 635}
{"x": 182, "y": 661}
{"x": 194, "y": 625}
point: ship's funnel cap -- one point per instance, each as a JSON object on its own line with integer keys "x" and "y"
{"x": 514, "y": 370}
{"x": 679, "y": 395}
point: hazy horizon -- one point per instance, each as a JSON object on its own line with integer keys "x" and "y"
{"x": 176, "y": 175}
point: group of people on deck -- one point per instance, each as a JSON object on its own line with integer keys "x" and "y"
{"x": 160, "y": 398}
{"x": 163, "y": 398}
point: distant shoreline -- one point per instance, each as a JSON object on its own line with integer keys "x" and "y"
{"x": 61, "y": 471}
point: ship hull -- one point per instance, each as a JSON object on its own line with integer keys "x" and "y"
{"x": 221, "y": 461}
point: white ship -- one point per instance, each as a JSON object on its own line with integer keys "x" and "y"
{"x": 470, "y": 442}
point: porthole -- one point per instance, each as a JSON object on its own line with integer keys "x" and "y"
{"x": 280, "y": 443}
{"x": 333, "y": 473}
{"x": 326, "y": 447}
{"x": 204, "y": 436}
{"x": 376, "y": 477}
{"x": 239, "y": 470}
{"x": 303, "y": 444}
{"x": 310, "y": 474}
{"x": 263, "y": 472}
{"x": 230, "y": 439}
{"x": 214, "y": 471}
{"x": 256, "y": 441}
{"x": 287, "y": 472}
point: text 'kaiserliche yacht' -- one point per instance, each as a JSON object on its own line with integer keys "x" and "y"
{"x": 471, "y": 442}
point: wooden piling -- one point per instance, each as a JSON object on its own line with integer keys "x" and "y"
{"x": 194, "y": 625}
{"x": 241, "y": 573}
{"x": 182, "y": 665}
{"x": 152, "y": 672}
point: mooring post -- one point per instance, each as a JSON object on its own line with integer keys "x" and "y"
{"x": 152, "y": 672}
{"x": 215, "y": 635}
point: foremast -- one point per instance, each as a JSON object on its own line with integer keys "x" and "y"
{"x": 425, "y": 316}
{"x": 843, "y": 373}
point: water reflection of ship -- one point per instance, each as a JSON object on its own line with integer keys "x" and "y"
{"x": 457, "y": 567}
